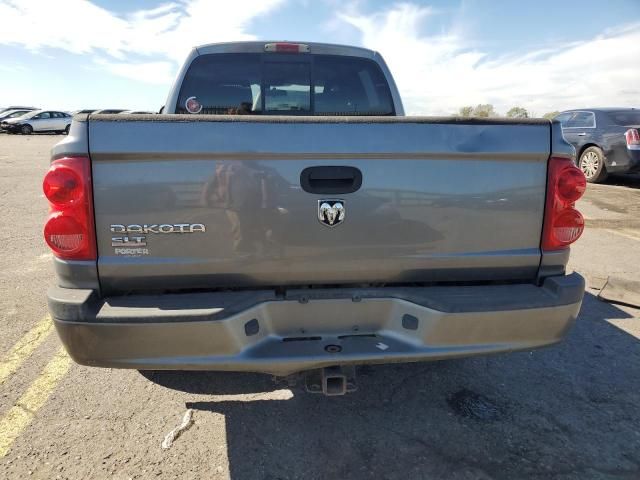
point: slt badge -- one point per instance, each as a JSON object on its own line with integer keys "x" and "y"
{"x": 331, "y": 212}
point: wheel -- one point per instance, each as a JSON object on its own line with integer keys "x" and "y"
{"x": 66, "y": 129}
{"x": 592, "y": 165}
{"x": 26, "y": 130}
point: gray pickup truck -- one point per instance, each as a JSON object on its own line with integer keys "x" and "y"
{"x": 283, "y": 215}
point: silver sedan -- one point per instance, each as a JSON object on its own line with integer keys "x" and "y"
{"x": 39, "y": 121}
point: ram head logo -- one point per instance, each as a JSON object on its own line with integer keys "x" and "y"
{"x": 331, "y": 212}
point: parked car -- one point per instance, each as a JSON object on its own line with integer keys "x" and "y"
{"x": 606, "y": 140}
{"x": 253, "y": 236}
{"x": 12, "y": 114}
{"x": 110, "y": 110}
{"x": 9, "y": 114}
{"x": 2, "y": 110}
{"x": 131, "y": 112}
{"x": 88, "y": 110}
{"x": 38, "y": 121}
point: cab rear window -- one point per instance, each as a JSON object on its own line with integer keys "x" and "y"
{"x": 283, "y": 84}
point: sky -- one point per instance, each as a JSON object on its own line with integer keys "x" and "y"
{"x": 544, "y": 56}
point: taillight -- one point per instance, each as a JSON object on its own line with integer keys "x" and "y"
{"x": 563, "y": 224}
{"x": 286, "y": 47}
{"x": 571, "y": 183}
{"x": 62, "y": 185}
{"x": 70, "y": 230}
{"x": 633, "y": 139}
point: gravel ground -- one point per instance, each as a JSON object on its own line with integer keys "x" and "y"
{"x": 568, "y": 411}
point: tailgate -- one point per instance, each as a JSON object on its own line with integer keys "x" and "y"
{"x": 210, "y": 201}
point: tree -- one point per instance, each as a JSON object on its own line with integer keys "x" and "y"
{"x": 466, "y": 111}
{"x": 484, "y": 110}
{"x": 518, "y": 112}
{"x": 551, "y": 115}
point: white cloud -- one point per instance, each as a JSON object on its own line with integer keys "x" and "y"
{"x": 157, "y": 73}
{"x": 12, "y": 68}
{"x": 161, "y": 37}
{"x": 79, "y": 27}
{"x": 437, "y": 74}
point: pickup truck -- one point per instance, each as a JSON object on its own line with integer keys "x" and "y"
{"x": 282, "y": 215}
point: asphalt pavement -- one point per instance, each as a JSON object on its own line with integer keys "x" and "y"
{"x": 569, "y": 411}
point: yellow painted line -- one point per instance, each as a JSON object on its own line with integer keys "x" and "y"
{"x": 623, "y": 234}
{"x": 24, "y": 348}
{"x": 25, "y": 409}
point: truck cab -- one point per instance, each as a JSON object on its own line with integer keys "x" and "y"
{"x": 278, "y": 78}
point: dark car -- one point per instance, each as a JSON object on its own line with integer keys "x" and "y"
{"x": 110, "y": 110}
{"x": 87, "y": 110}
{"x": 607, "y": 140}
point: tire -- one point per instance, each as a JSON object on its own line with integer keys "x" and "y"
{"x": 592, "y": 165}
{"x": 66, "y": 129}
{"x": 26, "y": 129}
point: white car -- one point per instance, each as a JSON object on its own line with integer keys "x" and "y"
{"x": 38, "y": 121}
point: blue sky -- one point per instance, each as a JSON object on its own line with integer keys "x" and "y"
{"x": 543, "y": 55}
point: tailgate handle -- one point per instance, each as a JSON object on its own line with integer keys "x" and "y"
{"x": 330, "y": 180}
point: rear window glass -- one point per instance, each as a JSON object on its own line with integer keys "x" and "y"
{"x": 625, "y": 119}
{"x": 284, "y": 84}
{"x": 562, "y": 118}
{"x": 287, "y": 87}
{"x": 581, "y": 120}
{"x": 347, "y": 86}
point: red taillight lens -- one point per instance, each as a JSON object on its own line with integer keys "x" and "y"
{"x": 563, "y": 224}
{"x": 567, "y": 226}
{"x": 286, "y": 47}
{"x": 62, "y": 186}
{"x": 70, "y": 231}
{"x": 633, "y": 137}
{"x": 571, "y": 184}
{"x": 64, "y": 234}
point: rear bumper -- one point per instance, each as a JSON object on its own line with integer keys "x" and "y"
{"x": 634, "y": 156}
{"x": 623, "y": 160}
{"x": 260, "y": 332}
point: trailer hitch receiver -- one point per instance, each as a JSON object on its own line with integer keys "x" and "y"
{"x": 331, "y": 381}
